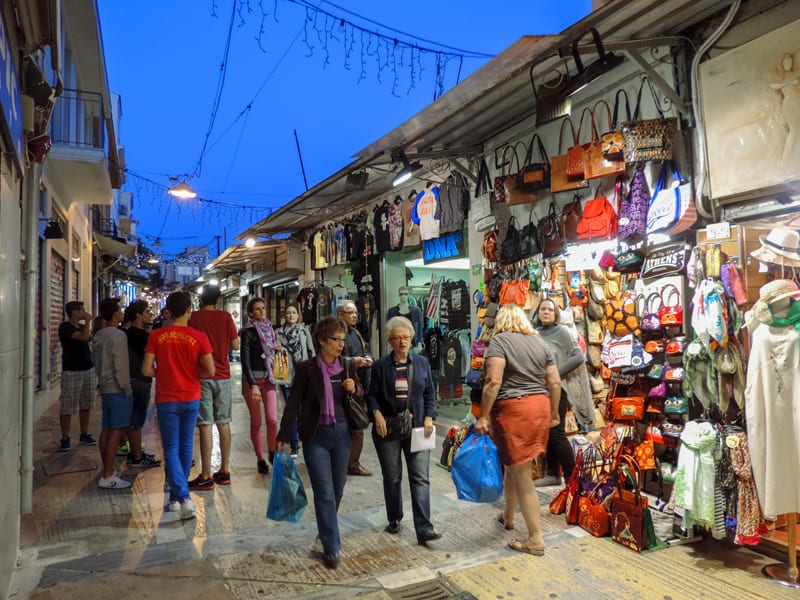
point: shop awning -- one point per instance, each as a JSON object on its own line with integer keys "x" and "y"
{"x": 493, "y": 99}
{"x": 238, "y": 257}
{"x": 107, "y": 246}
{"x": 283, "y": 276}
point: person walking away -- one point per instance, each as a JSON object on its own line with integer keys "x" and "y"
{"x": 139, "y": 317}
{"x": 78, "y": 375}
{"x": 568, "y": 356}
{"x": 318, "y": 407}
{"x": 296, "y": 340}
{"x": 357, "y": 348}
{"x": 401, "y": 381}
{"x": 216, "y": 400}
{"x": 184, "y": 356}
{"x": 519, "y": 406}
{"x": 258, "y": 345}
{"x": 110, "y": 346}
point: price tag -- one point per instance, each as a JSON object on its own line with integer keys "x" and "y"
{"x": 718, "y": 231}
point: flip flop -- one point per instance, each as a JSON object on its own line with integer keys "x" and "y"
{"x": 502, "y": 520}
{"x": 523, "y": 547}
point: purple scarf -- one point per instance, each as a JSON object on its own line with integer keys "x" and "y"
{"x": 327, "y": 415}
{"x": 266, "y": 335}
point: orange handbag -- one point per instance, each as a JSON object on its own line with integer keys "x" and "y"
{"x": 596, "y": 164}
{"x": 599, "y": 221}
{"x": 559, "y": 180}
{"x": 627, "y": 408}
{"x": 576, "y": 167}
{"x": 514, "y": 291}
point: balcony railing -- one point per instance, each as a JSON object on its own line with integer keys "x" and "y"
{"x": 78, "y": 120}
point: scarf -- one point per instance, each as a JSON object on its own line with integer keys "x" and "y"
{"x": 291, "y": 340}
{"x": 327, "y": 414}
{"x": 694, "y": 481}
{"x": 266, "y": 335}
{"x": 792, "y": 317}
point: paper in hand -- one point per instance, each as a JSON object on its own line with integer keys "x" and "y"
{"x": 420, "y": 442}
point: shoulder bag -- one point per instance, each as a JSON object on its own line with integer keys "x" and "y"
{"x": 595, "y": 162}
{"x": 551, "y": 234}
{"x": 535, "y": 176}
{"x": 559, "y": 181}
{"x": 613, "y": 142}
{"x": 529, "y": 239}
{"x": 649, "y": 139}
{"x": 357, "y": 417}
{"x": 599, "y": 220}
{"x": 571, "y": 216}
{"x": 481, "y": 209}
{"x": 633, "y": 210}
{"x": 510, "y": 246}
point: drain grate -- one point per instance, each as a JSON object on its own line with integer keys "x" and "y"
{"x": 435, "y": 589}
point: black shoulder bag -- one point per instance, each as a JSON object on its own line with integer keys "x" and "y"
{"x": 398, "y": 428}
{"x": 357, "y": 417}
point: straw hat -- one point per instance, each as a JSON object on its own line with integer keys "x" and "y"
{"x": 781, "y": 247}
{"x": 770, "y": 293}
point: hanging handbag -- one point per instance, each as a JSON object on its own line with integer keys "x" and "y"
{"x": 575, "y": 157}
{"x": 613, "y": 142}
{"x": 515, "y": 195}
{"x": 489, "y": 246}
{"x": 672, "y": 209}
{"x": 676, "y": 405}
{"x": 510, "y": 246}
{"x": 559, "y": 181}
{"x": 649, "y": 139}
{"x": 501, "y": 161}
{"x": 514, "y": 291}
{"x": 670, "y": 315}
{"x": 550, "y": 233}
{"x": 535, "y": 176}
{"x": 571, "y": 216}
{"x": 633, "y": 210}
{"x": 481, "y": 207}
{"x": 529, "y": 239}
{"x": 596, "y": 165}
{"x": 599, "y": 221}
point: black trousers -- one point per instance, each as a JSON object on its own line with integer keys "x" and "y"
{"x": 559, "y": 450}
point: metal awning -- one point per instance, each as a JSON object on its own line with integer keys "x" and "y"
{"x": 238, "y": 257}
{"x": 107, "y": 246}
{"x": 493, "y": 99}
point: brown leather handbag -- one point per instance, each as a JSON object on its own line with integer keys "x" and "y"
{"x": 571, "y": 216}
{"x": 559, "y": 181}
{"x": 596, "y": 165}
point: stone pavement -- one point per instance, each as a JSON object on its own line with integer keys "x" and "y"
{"x": 86, "y": 543}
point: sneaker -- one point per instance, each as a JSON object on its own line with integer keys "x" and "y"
{"x": 295, "y": 454}
{"x": 146, "y": 462}
{"x": 131, "y": 457}
{"x": 174, "y": 506}
{"x": 113, "y": 482}
{"x": 187, "y": 510}
{"x": 199, "y": 484}
{"x": 222, "y": 477}
{"x": 87, "y": 439}
{"x": 64, "y": 447}
{"x": 124, "y": 450}
{"x": 262, "y": 466}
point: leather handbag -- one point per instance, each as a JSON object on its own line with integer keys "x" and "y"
{"x": 633, "y": 209}
{"x": 357, "y": 417}
{"x": 515, "y": 195}
{"x": 398, "y": 427}
{"x": 596, "y": 165}
{"x": 559, "y": 181}
{"x": 576, "y": 167}
{"x": 529, "y": 239}
{"x": 649, "y": 139}
{"x": 489, "y": 246}
{"x": 501, "y": 161}
{"x": 613, "y": 142}
{"x": 571, "y": 216}
{"x": 599, "y": 221}
{"x": 535, "y": 176}
{"x": 551, "y": 234}
{"x": 510, "y": 246}
{"x": 514, "y": 291}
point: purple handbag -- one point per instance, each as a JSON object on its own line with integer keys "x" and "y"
{"x": 633, "y": 212}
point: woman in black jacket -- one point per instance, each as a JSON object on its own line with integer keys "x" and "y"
{"x": 318, "y": 406}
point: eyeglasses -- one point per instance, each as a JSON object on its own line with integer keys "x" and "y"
{"x": 403, "y": 294}
{"x": 336, "y": 340}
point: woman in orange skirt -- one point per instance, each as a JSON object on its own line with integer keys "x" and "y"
{"x": 519, "y": 405}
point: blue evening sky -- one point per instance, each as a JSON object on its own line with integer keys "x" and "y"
{"x": 164, "y": 56}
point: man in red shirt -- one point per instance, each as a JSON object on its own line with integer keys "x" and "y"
{"x": 216, "y": 399}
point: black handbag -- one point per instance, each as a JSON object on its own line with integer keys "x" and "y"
{"x": 357, "y": 417}
{"x": 529, "y": 239}
{"x": 551, "y": 233}
{"x": 398, "y": 428}
{"x": 510, "y": 246}
{"x": 534, "y": 175}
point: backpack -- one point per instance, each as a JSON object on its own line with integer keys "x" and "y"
{"x": 599, "y": 221}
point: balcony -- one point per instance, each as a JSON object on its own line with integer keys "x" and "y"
{"x": 78, "y": 165}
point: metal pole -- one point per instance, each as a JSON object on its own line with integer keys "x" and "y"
{"x": 300, "y": 154}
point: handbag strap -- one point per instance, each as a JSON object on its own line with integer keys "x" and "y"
{"x": 484, "y": 181}
{"x": 614, "y": 121}
{"x": 656, "y": 101}
{"x": 561, "y": 133}
{"x": 647, "y": 305}
{"x": 593, "y": 132}
{"x": 619, "y": 186}
{"x": 535, "y": 139}
{"x": 506, "y": 159}
{"x": 608, "y": 113}
{"x": 599, "y": 192}
{"x": 671, "y": 290}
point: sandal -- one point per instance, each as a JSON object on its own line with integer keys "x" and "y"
{"x": 502, "y": 520}
{"x": 523, "y": 547}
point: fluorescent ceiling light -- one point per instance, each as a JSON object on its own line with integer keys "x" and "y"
{"x": 456, "y": 263}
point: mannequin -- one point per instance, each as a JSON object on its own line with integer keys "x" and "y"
{"x": 772, "y": 396}
{"x": 412, "y": 313}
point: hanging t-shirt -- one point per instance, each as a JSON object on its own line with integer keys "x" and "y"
{"x": 321, "y": 249}
{"x": 411, "y": 230}
{"x": 381, "y": 223}
{"x": 324, "y": 302}
{"x": 452, "y": 359}
{"x": 433, "y": 347}
{"x": 453, "y": 203}
{"x": 456, "y": 295}
{"x": 307, "y": 298}
{"x": 425, "y": 213}
{"x": 396, "y": 224}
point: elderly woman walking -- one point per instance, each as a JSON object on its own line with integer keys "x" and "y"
{"x": 520, "y": 403}
{"x": 402, "y": 387}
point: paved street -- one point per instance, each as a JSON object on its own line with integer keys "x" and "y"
{"x": 86, "y": 543}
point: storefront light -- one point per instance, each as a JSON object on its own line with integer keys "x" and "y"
{"x": 250, "y": 242}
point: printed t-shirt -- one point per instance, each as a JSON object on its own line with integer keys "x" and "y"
{"x": 218, "y": 325}
{"x": 527, "y": 358}
{"x": 178, "y": 350}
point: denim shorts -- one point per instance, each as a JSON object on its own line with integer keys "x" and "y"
{"x": 215, "y": 402}
{"x": 117, "y": 409}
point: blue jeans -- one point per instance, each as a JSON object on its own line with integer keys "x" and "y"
{"x": 418, "y": 463}
{"x": 326, "y": 456}
{"x": 177, "y": 422}
{"x": 294, "y": 439}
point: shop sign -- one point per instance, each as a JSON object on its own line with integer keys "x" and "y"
{"x": 445, "y": 247}
{"x": 10, "y": 96}
{"x": 665, "y": 261}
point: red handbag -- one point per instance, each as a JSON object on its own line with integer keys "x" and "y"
{"x": 599, "y": 220}
{"x": 593, "y": 516}
{"x": 670, "y": 315}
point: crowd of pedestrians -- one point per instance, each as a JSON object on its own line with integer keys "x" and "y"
{"x": 118, "y": 354}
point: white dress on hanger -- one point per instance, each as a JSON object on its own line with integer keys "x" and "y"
{"x": 772, "y": 408}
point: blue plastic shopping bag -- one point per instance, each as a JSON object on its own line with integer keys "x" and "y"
{"x": 287, "y": 496}
{"x": 476, "y": 470}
